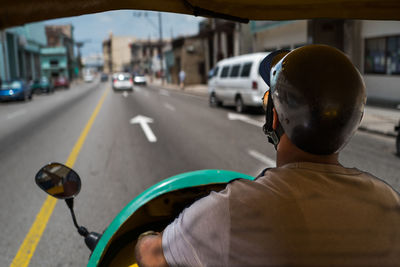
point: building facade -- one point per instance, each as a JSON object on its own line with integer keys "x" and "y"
{"x": 20, "y": 51}
{"x": 189, "y": 56}
{"x": 54, "y": 62}
{"x": 272, "y": 35}
{"x": 147, "y": 56}
{"x": 372, "y": 46}
{"x": 63, "y": 36}
{"x": 380, "y": 60}
{"x": 117, "y": 53}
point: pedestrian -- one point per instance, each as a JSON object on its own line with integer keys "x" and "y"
{"x": 182, "y": 76}
{"x": 309, "y": 210}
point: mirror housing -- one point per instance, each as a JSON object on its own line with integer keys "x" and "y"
{"x": 58, "y": 180}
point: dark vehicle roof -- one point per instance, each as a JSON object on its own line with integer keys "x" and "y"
{"x": 14, "y": 13}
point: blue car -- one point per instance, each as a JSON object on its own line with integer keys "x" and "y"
{"x": 15, "y": 90}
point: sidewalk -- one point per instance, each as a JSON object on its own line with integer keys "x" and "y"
{"x": 195, "y": 89}
{"x": 380, "y": 120}
{"x": 376, "y": 120}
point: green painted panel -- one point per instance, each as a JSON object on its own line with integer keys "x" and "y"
{"x": 180, "y": 181}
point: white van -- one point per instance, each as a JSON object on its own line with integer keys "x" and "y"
{"x": 235, "y": 81}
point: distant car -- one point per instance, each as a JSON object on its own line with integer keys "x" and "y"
{"x": 42, "y": 86}
{"x": 104, "y": 77}
{"x": 61, "y": 82}
{"x": 88, "y": 78}
{"x": 122, "y": 81}
{"x": 15, "y": 90}
{"x": 139, "y": 79}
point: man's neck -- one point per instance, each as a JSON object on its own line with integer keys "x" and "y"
{"x": 287, "y": 152}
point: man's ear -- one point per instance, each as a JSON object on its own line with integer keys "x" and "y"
{"x": 275, "y": 120}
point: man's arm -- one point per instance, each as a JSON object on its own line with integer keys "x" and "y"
{"x": 149, "y": 251}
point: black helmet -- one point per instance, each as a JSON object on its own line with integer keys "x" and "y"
{"x": 318, "y": 94}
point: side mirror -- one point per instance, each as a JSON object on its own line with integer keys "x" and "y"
{"x": 58, "y": 181}
{"x": 62, "y": 182}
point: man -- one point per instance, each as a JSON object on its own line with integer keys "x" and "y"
{"x": 310, "y": 210}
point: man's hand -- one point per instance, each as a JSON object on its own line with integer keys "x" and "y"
{"x": 149, "y": 251}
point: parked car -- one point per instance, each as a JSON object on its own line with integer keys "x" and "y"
{"x": 139, "y": 79}
{"x": 61, "y": 82}
{"x": 104, "y": 77}
{"x": 122, "y": 81}
{"x": 88, "y": 78}
{"x": 15, "y": 90}
{"x": 235, "y": 81}
{"x": 42, "y": 85}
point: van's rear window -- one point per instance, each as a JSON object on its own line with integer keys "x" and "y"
{"x": 235, "y": 71}
{"x": 225, "y": 71}
{"x": 246, "y": 70}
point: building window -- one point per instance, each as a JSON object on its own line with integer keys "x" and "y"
{"x": 54, "y": 63}
{"x": 382, "y": 55}
{"x": 393, "y": 55}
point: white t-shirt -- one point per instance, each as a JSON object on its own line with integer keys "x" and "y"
{"x": 301, "y": 214}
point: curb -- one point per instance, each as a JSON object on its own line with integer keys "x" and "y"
{"x": 155, "y": 86}
{"x": 369, "y": 130}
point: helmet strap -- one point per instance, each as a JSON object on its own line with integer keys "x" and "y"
{"x": 274, "y": 135}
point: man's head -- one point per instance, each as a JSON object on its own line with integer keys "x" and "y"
{"x": 318, "y": 96}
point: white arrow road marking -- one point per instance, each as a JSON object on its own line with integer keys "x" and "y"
{"x": 244, "y": 118}
{"x": 168, "y": 106}
{"x": 264, "y": 159}
{"x": 164, "y": 92}
{"x": 144, "y": 123}
{"x": 125, "y": 94}
{"x": 16, "y": 114}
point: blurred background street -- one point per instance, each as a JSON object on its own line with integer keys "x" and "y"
{"x": 163, "y": 113}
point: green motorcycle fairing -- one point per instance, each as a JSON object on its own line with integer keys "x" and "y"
{"x": 156, "y": 207}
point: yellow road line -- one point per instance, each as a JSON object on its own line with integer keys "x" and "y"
{"x": 28, "y": 247}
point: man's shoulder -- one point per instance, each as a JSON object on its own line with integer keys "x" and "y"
{"x": 292, "y": 180}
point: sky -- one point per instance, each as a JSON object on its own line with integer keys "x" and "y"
{"x": 95, "y": 28}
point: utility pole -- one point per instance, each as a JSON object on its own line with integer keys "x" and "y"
{"x": 161, "y": 47}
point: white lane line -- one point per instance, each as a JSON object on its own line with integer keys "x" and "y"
{"x": 16, "y": 114}
{"x": 168, "y": 106}
{"x": 125, "y": 94}
{"x": 264, "y": 159}
{"x": 164, "y": 92}
{"x": 144, "y": 123}
{"x": 244, "y": 118}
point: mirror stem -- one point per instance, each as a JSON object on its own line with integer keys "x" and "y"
{"x": 81, "y": 230}
{"x": 92, "y": 238}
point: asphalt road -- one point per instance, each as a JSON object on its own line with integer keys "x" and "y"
{"x": 117, "y": 160}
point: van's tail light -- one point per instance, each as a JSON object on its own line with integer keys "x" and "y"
{"x": 114, "y": 80}
{"x": 130, "y": 79}
{"x": 254, "y": 85}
